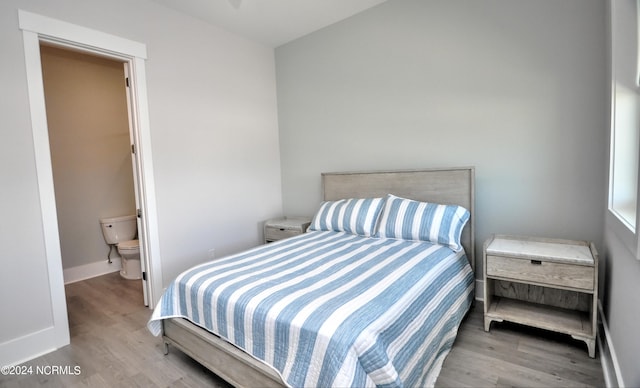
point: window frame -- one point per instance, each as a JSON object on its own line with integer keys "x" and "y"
{"x": 621, "y": 227}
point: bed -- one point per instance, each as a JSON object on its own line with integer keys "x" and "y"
{"x": 362, "y": 299}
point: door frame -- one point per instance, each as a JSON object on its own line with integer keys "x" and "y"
{"x": 37, "y": 28}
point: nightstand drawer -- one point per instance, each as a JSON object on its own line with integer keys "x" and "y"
{"x": 281, "y": 228}
{"x": 274, "y": 233}
{"x": 543, "y": 272}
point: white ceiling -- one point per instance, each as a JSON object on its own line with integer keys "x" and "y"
{"x": 271, "y": 22}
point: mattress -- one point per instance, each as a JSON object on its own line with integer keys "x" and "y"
{"x": 330, "y": 308}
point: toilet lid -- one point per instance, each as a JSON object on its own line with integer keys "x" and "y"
{"x": 131, "y": 244}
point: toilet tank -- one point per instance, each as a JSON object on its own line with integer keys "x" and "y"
{"x": 117, "y": 229}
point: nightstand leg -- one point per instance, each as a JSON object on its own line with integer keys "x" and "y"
{"x": 591, "y": 344}
{"x": 487, "y": 323}
{"x": 488, "y": 320}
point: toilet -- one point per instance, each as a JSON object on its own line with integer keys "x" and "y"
{"x": 121, "y": 232}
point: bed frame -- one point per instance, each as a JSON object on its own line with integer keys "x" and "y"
{"x": 454, "y": 186}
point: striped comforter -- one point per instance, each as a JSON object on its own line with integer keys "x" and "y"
{"x": 331, "y": 308}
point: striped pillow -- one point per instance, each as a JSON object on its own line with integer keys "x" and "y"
{"x": 356, "y": 216}
{"x": 407, "y": 219}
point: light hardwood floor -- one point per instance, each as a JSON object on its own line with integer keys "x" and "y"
{"x": 511, "y": 355}
{"x": 112, "y": 348}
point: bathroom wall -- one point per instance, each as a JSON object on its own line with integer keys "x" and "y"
{"x": 90, "y": 150}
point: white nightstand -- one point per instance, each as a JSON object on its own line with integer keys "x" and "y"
{"x": 545, "y": 283}
{"x": 279, "y": 228}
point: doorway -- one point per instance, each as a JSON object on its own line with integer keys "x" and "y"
{"x": 90, "y": 143}
{"x": 35, "y": 30}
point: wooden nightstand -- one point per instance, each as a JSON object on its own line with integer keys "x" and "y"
{"x": 545, "y": 283}
{"x": 279, "y": 228}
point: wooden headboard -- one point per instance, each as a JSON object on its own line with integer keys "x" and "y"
{"x": 451, "y": 186}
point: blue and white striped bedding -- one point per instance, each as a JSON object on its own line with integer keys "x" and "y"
{"x": 330, "y": 308}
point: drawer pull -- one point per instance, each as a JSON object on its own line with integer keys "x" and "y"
{"x": 536, "y": 262}
{"x": 282, "y": 229}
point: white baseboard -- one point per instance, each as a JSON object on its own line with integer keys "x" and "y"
{"x": 608, "y": 357}
{"x": 91, "y": 270}
{"x": 480, "y": 290}
{"x": 32, "y": 345}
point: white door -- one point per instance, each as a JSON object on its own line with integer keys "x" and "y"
{"x": 137, "y": 184}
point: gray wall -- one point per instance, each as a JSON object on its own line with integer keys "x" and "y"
{"x": 622, "y": 278}
{"x": 214, "y": 138}
{"x": 515, "y": 88}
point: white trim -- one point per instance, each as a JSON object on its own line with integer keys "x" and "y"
{"x": 25, "y": 348}
{"x": 96, "y": 42}
{"x": 78, "y": 36}
{"x": 637, "y": 6}
{"x": 608, "y": 354}
{"x": 626, "y": 232}
{"x": 91, "y": 270}
{"x": 57, "y": 335}
{"x": 36, "y": 28}
{"x": 480, "y": 290}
